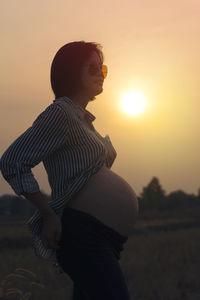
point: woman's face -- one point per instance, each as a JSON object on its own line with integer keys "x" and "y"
{"x": 92, "y": 77}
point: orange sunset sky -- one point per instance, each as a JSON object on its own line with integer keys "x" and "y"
{"x": 149, "y": 45}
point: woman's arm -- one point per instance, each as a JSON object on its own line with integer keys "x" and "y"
{"x": 48, "y": 132}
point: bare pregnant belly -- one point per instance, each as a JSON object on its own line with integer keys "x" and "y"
{"x": 110, "y": 199}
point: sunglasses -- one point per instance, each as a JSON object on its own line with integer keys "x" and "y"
{"x": 94, "y": 70}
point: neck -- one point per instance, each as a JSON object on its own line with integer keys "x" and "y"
{"x": 82, "y": 99}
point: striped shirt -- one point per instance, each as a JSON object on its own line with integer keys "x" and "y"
{"x": 64, "y": 139}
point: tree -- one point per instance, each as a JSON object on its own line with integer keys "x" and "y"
{"x": 181, "y": 200}
{"x": 153, "y": 196}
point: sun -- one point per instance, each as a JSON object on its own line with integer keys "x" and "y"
{"x": 133, "y": 103}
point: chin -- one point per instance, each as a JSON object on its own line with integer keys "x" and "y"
{"x": 96, "y": 93}
{"x": 99, "y": 91}
{"x": 92, "y": 99}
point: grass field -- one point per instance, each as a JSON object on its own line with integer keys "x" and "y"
{"x": 160, "y": 261}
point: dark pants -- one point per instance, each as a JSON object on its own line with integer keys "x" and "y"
{"x": 89, "y": 253}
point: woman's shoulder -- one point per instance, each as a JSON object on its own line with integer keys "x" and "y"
{"x": 52, "y": 113}
{"x": 57, "y": 107}
{"x": 65, "y": 106}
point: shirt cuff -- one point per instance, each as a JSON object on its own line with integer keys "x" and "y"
{"x": 26, "y": 183}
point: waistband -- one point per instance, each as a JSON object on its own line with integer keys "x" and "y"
{"x": 109, "y": 233}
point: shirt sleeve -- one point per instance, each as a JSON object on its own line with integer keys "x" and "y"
{"x": 48, "y": 132}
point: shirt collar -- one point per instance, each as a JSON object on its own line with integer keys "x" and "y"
{"x": 84, "y": 114}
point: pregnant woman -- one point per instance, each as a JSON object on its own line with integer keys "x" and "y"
{"x": 92, "y": 210}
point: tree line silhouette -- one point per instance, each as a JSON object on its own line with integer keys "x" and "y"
{"x": 152, "y": 198}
